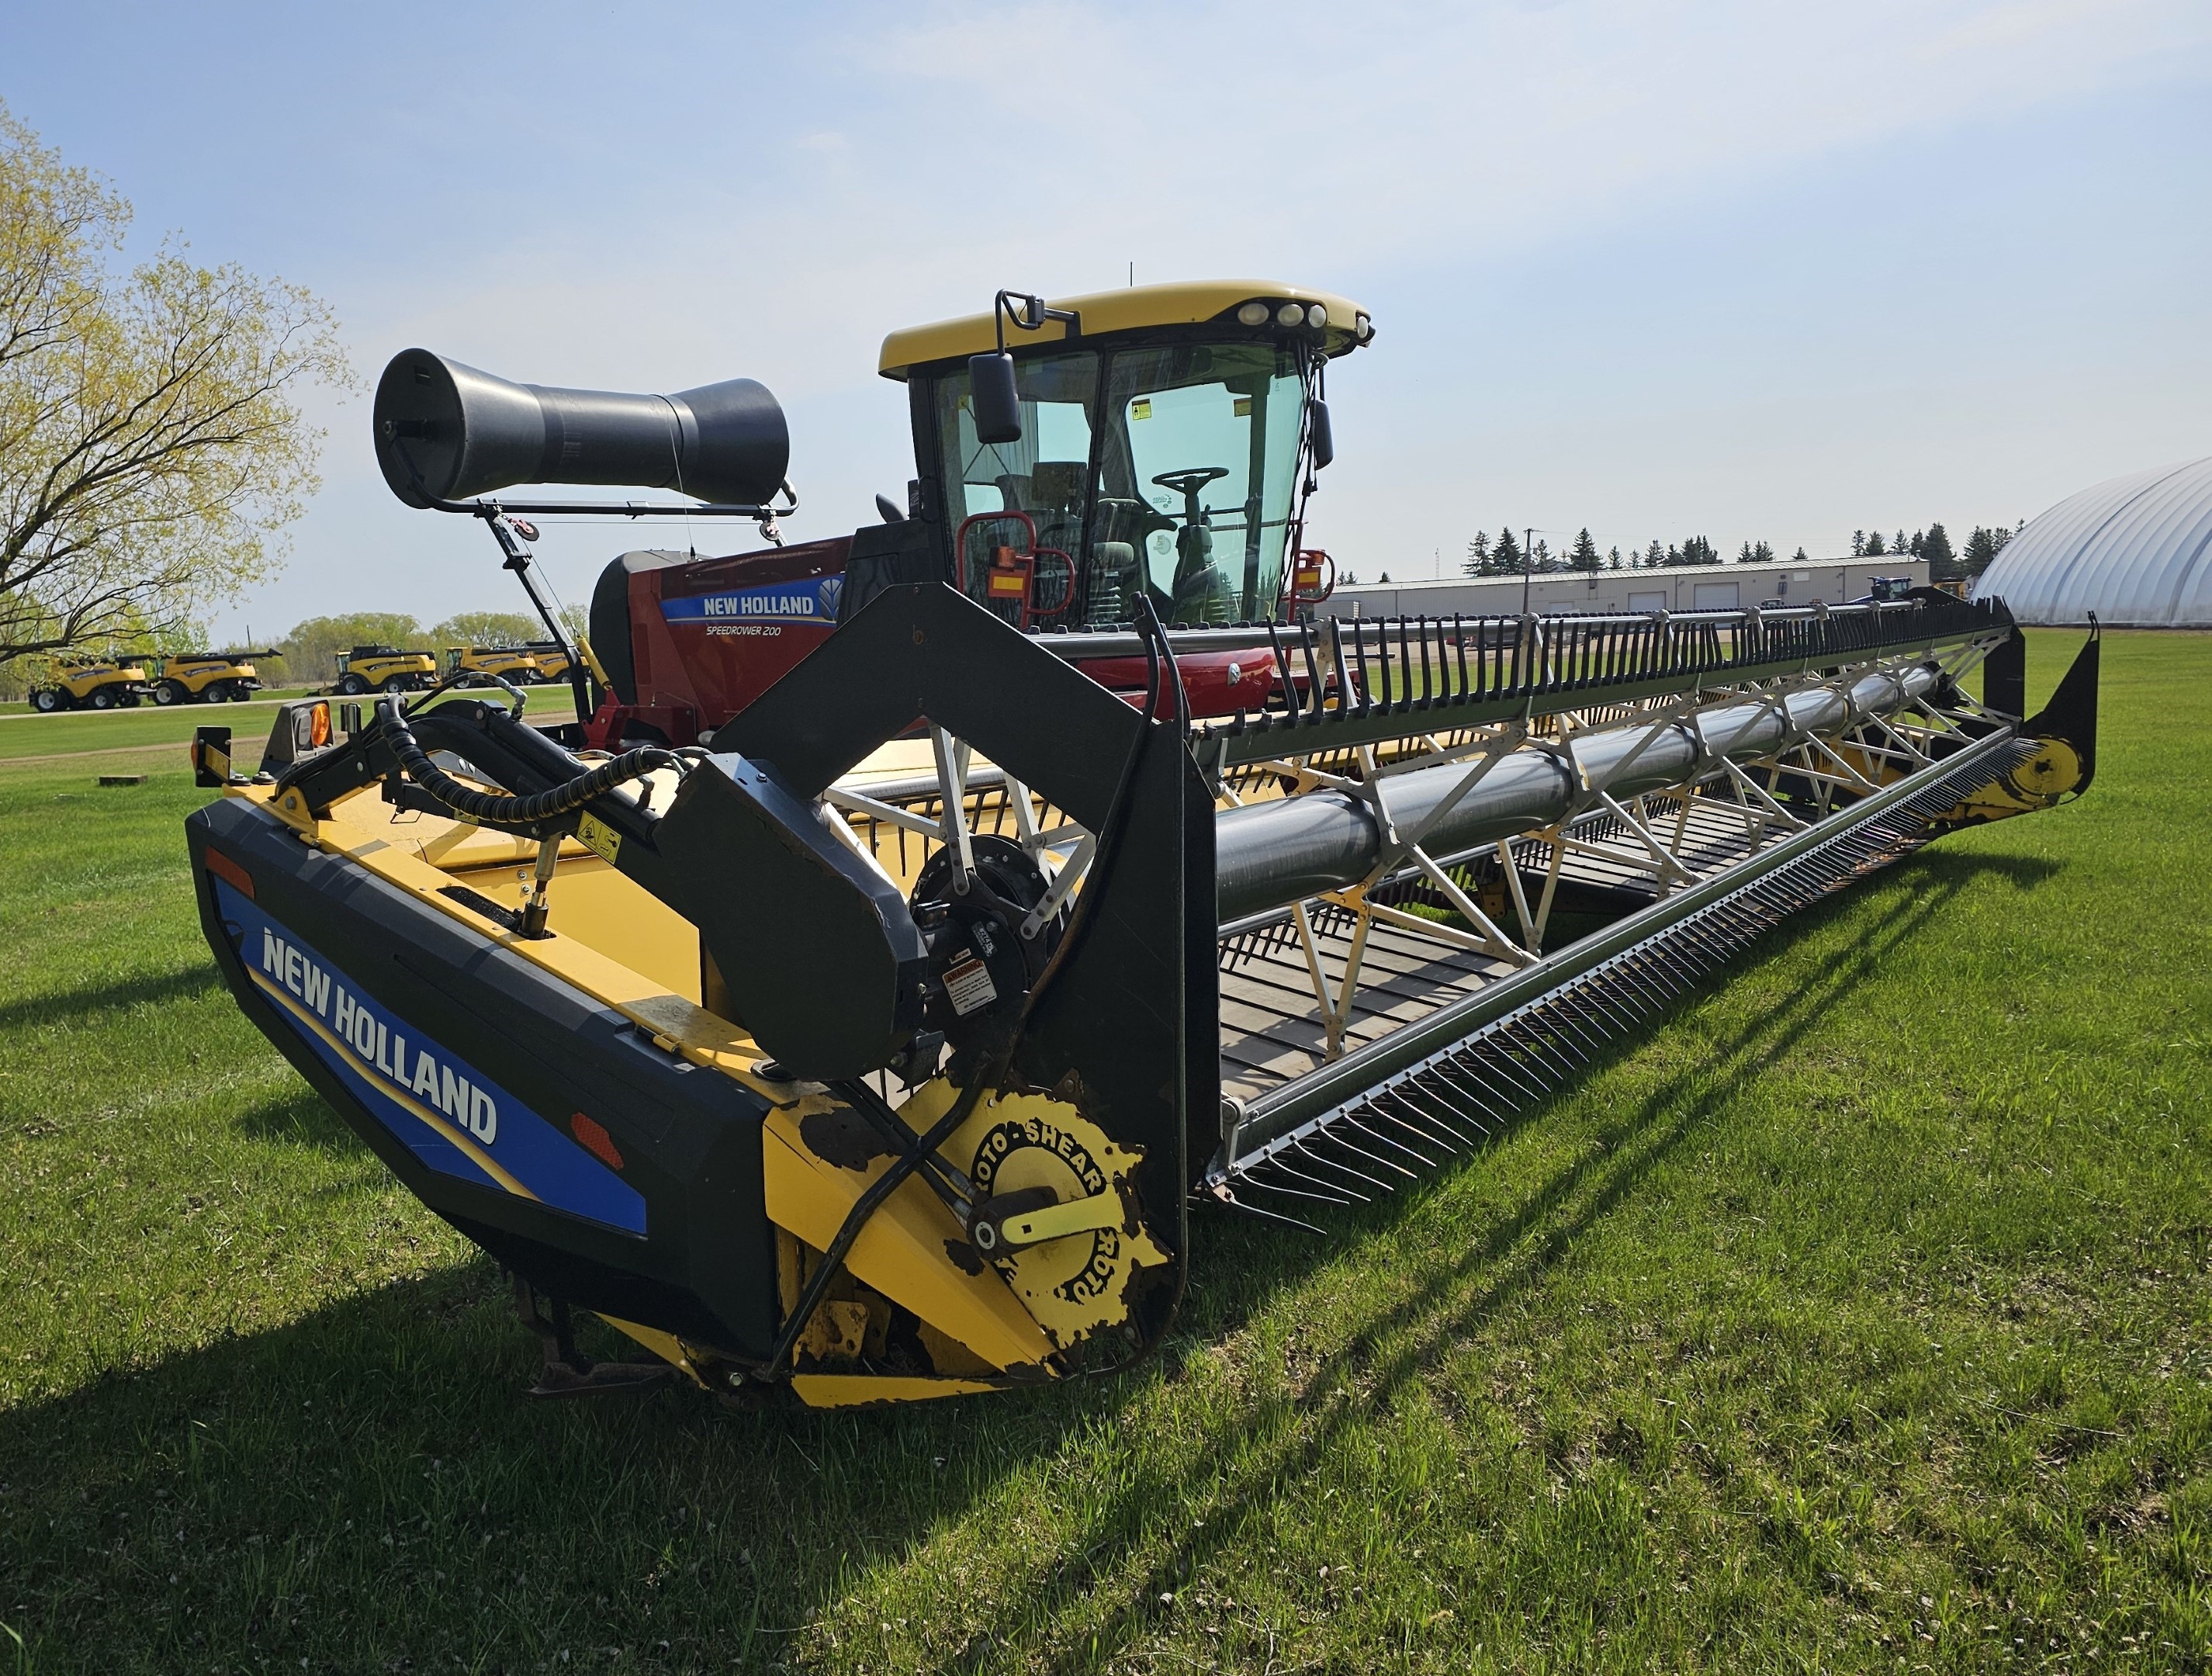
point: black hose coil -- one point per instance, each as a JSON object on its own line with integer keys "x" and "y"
{"x": 500, "y": 808}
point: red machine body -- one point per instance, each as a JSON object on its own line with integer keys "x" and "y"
{"x": 691, "y": 642}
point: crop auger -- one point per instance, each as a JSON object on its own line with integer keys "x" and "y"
{"x": 853, "y": 1002}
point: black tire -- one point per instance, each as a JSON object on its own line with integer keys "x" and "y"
{"x": 103, "y": 698}
{"x": 129, "y": 700}
{"x": 352, "y": 685}
{"x": 394, "y": 684}
{"x": 47, "y": 699}
{"x": 170, "y": 692}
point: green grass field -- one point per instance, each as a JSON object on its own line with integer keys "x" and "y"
{"x": 1856, "y": 1318}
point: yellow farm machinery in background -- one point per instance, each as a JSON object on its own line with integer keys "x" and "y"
{"x": 206, "y": 677}
{"x": 81, "y": 682}
{"x": 388, "y": 669}
{"x": 915, "y": 927}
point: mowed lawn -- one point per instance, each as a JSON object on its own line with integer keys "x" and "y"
{"x": 1856, "y": 1318}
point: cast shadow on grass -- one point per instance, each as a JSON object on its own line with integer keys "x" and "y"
{"x": 71, "y": 1006}
{"x": 301, "y": 1117}
{"x": 1285, "y": 1437}
{"x": 2022, "y": 873}
{"x": 431, "y": 1367}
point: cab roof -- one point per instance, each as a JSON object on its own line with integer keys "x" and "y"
{"x": 1132, "y": 308}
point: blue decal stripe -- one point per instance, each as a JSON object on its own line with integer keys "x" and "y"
{"x": 454, "y": 1121}
{"x": 460, "y": 1139}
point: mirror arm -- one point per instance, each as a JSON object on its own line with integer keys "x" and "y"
{"x": 1031, "y": 317}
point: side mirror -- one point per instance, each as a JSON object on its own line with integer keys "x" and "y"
{"x": 992, "y": 398}
{"x": 1324, "y": 443}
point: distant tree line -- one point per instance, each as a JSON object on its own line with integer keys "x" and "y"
{"x": 1506, "y": 555}
{"x": 1933, "y": 544}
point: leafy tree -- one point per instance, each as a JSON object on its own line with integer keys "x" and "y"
{"x": 1506, "y": 555}
{"x": 1478, "y": 554}
{"x": 488, "y": 628}
{"x": 1583, "y": 554}
{"x": 152, "y": 443}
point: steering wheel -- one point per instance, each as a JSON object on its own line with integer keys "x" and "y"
{"x": 1187, "y": 482}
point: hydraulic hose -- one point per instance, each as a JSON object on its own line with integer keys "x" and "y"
{"x": 502, "y": 809}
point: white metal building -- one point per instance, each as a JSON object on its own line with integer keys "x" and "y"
{"x": 1702, "y": 587}
{"x": 2136, "y": 549}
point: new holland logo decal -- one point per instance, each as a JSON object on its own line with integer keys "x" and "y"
{"x": 448, "y": 1114}
{"x": 810, "y": 600}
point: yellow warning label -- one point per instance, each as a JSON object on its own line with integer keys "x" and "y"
{"x": 1242, "y": 407}
{"x": 599, "y": 837}
{"x": 1141, "y": 409}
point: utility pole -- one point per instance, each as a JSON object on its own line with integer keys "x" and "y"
{"x": 1528, "y": 565}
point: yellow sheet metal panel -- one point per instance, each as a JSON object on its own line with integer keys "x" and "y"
{"x": 905, "y": 1251}
{"x": 1134, "y": 308}
{"x": 851, "y": 1390}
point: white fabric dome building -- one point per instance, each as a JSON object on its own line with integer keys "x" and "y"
{"x": 2136, "y": 550}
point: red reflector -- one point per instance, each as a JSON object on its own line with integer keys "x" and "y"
{"x": 596, "y": 1140}
{"x": 229, "y": 872}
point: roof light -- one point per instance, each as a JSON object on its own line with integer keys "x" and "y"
{"x": 1316, "y": 315}
{"x": 1291, "y": 314}
{"x": 1363, "y": 329}
{"x": 1254, "y": 314}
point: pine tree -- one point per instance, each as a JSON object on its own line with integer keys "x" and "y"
{"x": 1936, "y": 548}
{"x": 1801, "y": 558}
{"x": 1612, "y": 557}
{"x": 1653, "y": 557}
{"x": 1696, "y": 550}
{"x": 1506, "y": 555}
{"x": 1743, "y": 554}
{"x": 1872, "y": 548}
{"x": 1478, "y": 554}
{"x": 1763, "y": 553}
{"x": 1982, "y": 547}
{"x": 1899, "y": 545}
{"x": 1584, "y": 555}
{"x": 1541, "y": 556}
{"x": 1858, "y": 543}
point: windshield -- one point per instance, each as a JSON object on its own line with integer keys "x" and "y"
{"x": 1168, "y": 468}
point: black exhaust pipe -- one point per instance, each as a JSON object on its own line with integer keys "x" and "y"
{"x": 446, "y": 431}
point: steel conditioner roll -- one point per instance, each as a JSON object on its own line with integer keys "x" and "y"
{"x": 1267, "y": 855}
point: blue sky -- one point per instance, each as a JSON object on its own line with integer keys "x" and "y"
{"x": 1734, "y": 269}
